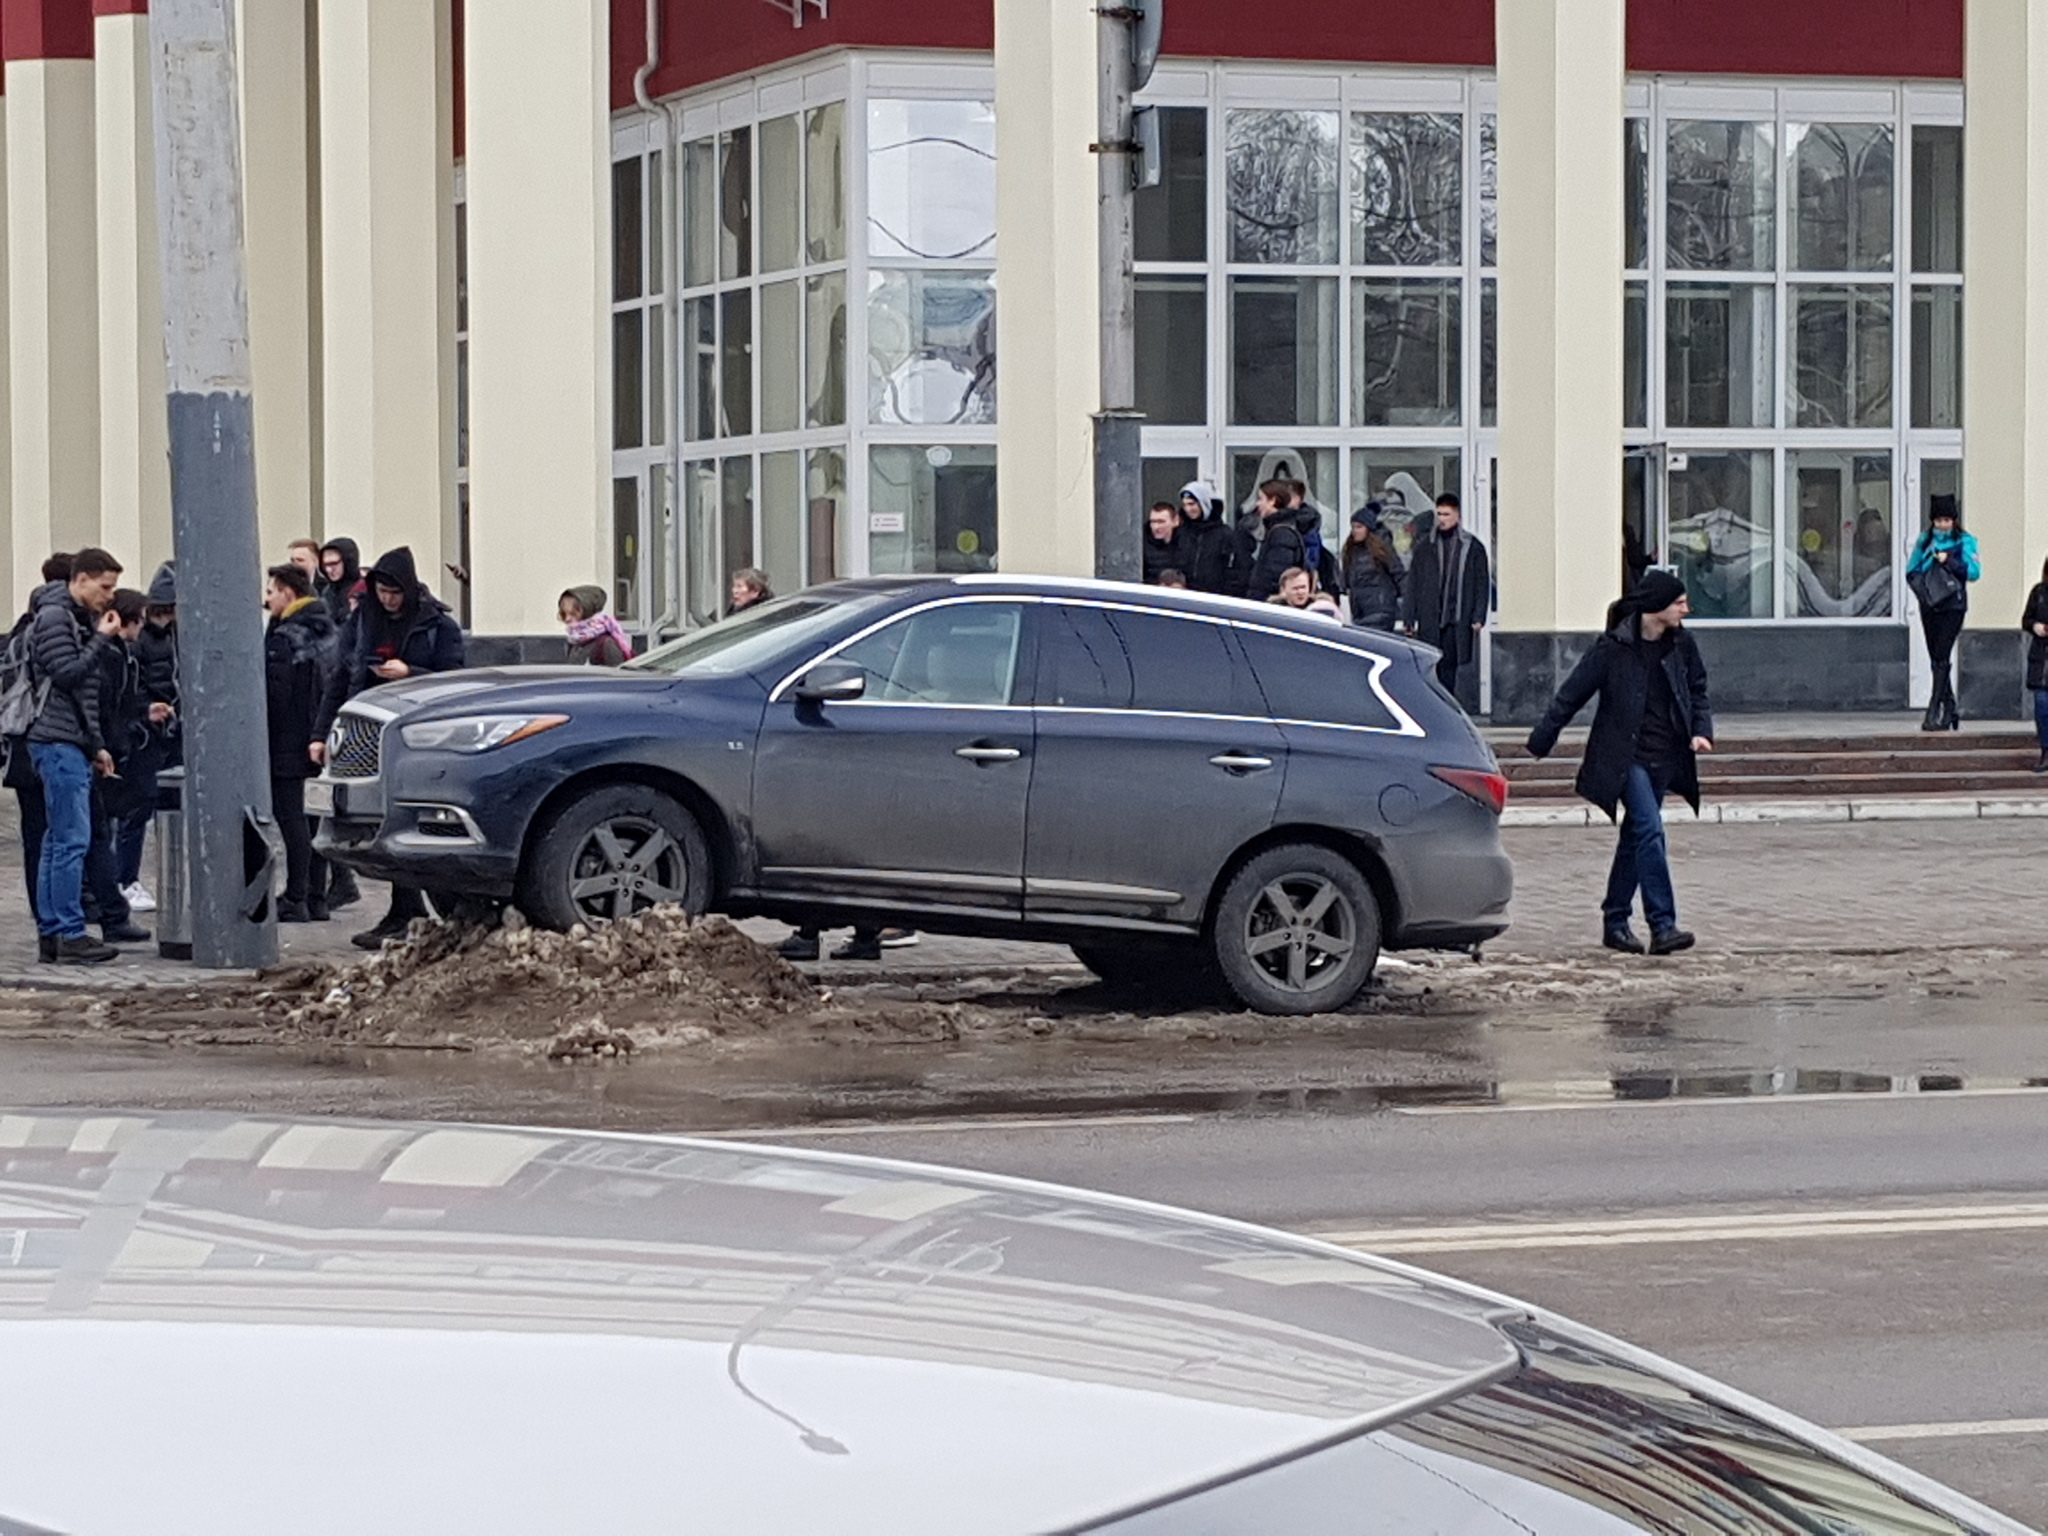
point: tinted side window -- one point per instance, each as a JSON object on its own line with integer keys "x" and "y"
{"x": 963, "y": 653}
{"x": 1179, "y": 666}
{"x": 1081, "y": 661}
{"x": 1303, "y": 681}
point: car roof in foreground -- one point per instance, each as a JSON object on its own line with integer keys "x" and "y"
{"x": 429, "y": 1327}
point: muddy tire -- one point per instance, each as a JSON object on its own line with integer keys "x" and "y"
{"x": 613, "y": 852}
{"x": 1174, "y": 969}
{"x": 1297, "y": 931}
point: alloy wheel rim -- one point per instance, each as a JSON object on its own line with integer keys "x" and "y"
{"x": 626, "y": 865}
{"x": 1299, "y": 932}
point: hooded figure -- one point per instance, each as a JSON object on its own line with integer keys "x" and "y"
{"x": 1208, "y": 545}
{"x": 595, "y": 638}
{"x": 400, "y": 630}
{"x": 345, "y": 593}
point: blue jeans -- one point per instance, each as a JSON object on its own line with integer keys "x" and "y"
{"x": 1640, "y": 857}
{"x": 2041, "y": 718}
{"x": 67, "y": 801}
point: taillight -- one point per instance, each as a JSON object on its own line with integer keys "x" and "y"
{"x": 1489, "y": 789}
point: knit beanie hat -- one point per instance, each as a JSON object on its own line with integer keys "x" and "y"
{"x": 1657, "y": 591}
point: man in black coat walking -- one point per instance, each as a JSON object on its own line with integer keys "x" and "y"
{"x": 1449, "y": 591}
{"x": 300, "y": 652}
{"x": 1653, "y": 721}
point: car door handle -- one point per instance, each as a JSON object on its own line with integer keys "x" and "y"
{"x": 985, "y": 755}
{"x": 1241, "y": 762}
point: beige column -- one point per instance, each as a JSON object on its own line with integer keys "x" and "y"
{"x": 16, "y": 586}
{"x": 135, "y": 474}
{"x": 387, "y": 269}
{"x": 280, "y": 201}
{"x": 2005, "y": 303}
{"x": 537, "y": 163}
{"x": 53, "y": 304}
{"x": 1049, "y": 299}
{"x": 1560, "y": 65}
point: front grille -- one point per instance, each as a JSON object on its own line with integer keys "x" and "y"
{"x": 355, "y": 749}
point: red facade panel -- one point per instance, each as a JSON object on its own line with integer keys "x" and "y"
{"x": 120, "y": 7}
{"x": 46, "y": 29}
{"x": 1878, "y": 38}
{"x": 1456, "y": 32}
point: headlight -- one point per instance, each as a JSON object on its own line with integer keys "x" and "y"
{"x": 476, "y": 733}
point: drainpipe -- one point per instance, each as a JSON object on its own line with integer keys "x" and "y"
{"x": 671, "y": 321}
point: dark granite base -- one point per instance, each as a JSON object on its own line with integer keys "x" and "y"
{"x": 1749, "y": 671}
{"x": 516, "y": 650}
{"x": 1991, "y": 675}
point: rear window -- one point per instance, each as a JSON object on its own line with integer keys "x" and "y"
{"x": 1577, "y": 1443}
{"x": 1322, "y": 683}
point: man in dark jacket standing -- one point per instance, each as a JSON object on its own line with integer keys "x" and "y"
{"x": 1653, "y": 720}
{"x": 74, "y": 623}
{"x": 341, "y": 579}
{"x": 1450, "y": 589}
{"x": 1208, "y": 544}
{"x": 1280, "y": 545}
{"x": 400, "y": 630}
{"x": 299, "y": 653}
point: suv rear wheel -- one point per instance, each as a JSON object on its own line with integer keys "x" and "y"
{"x": 1297, "y": 930}
{"x": 613, "y": 852}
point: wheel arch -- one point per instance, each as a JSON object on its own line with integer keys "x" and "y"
{"x": 718, "y": 833}
{"x": 1363, "y": 852}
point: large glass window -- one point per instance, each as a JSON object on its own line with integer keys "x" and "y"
{"x": 1720, "y": 532}
{"x": 1406, "y": 172}
{"x": 1838, "y": 533}
{"x": 931, "y": 508}
{"x": 1718, "y": 350}
{"x": 639, "y": 585}
{"x": 1720, "y": 196}
{"x": 1406, "y": 482}
{"x": 1842, "y": 180}
{"x": 1283, "y": 187}
{"x": 931, "y": 180}
{"x": 1937, "y": 362}
{"x": 931, "y": 348}
{"x": 1173, "y": 348}
{"x": 1937, "y": 198}
{"x": 1283, "y": 350}
{"x": 1171, "y": 220}
{"x": 1841, "y": 339}
{"x": 1405, "y": 352}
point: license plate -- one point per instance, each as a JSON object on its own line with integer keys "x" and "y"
{"x": 320, "y": 798}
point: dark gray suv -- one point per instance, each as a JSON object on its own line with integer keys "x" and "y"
{"x": 1166, "y": 781}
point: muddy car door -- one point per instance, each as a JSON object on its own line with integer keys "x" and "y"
{"x": 1154, "y": 763}
{"x": 906, "y": 788}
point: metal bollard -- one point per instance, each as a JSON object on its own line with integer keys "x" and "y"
{"x": 173, "y": 868}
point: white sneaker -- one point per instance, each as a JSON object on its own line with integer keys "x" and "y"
{"x": 138, "y": 897}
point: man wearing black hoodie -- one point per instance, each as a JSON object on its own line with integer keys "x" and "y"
{"x": 400, "y": 630}
{"x": 299, "y": 651}
{"x": 1280, "y": 546}
{"x": 340, "y": 584}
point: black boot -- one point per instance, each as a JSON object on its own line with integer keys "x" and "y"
{"x": 1932, "y": 720}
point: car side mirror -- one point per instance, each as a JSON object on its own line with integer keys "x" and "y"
{"x": 832, "y": 682}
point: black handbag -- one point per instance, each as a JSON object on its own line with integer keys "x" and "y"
{"x": 1937, "y": 587}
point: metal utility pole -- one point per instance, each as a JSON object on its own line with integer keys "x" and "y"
{"x": 1127, "y": 41}
{"x": 232, "y": 837}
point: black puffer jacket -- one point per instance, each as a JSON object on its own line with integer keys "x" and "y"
{"x": 1617, "y": 671}
{"x": 342, "y": 596}
{"x": 1279, "y": 550}
{"x": 1163, "y": 557}
{"x": 1209, "y": 557}
{"x": 124, "y": 713}
{"x": 2037, "y": 645}
{"x": 66, "y": 653}
{"x": 1375, "y": 589}
{"x": 300, "y": 655}
{"x": 423, "y": 634}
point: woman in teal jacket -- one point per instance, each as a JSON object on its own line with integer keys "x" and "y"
{"x": 1943, "y": 565}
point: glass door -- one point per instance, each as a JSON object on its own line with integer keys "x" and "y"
{"x": 1929, "y": 473}
{"x": 1482, "y": 515}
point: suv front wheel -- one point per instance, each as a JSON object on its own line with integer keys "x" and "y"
{"x": 1297, "y": 930}
{"x": 613, "y": 852}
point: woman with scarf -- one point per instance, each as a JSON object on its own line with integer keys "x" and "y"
{"x": 595, "y": 638}
{"x": 1373, "y": 573}
{"x": 1943, "y": 565}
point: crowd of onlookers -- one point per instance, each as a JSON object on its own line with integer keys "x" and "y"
{"x": 1274, "y": 552}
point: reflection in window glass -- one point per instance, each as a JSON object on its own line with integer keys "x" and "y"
{"x": 700, "y": 214}
{"x": 1283, "y": 186}
{"x": 931, "y": 348}
{"x": 735, "y": 519}
{"x": 825, "y": 350}
{"x": 1304, "y": 681}
{"x": 1175, "y": 664}
{"x": 1171, "y": 219}
{"x": 931, "y": 509}
{"x": 1838, "y": 528}
{"x": 1841, "y": 355}
{"x": 1283, "y": 350}
{"x": 782, "y": 520}
{"x": 1489, "y": 352}
{"x": 964, "y": 653}
{"x": 1406, "y": 482}
{"x": 1937, "y": 360}
{"x": 781, "y": 186}
{"x": 1635, "y": 355}
{"x": 705, "y": 598}
{"x": 657, "y": 376}
{"x": 699, "y": 342}
{"x": 736, "y": 203}
{"x": 1718, "y": 346}
{"x": 462, "y": 402}
{"x": 626, "y": 548}
{"x": 781, "y": 357}
{"x": 932, "y": 179}
{"x": 825, "y": 182}
{"x": 1635, "y": 192}
{"x": 1161, "y": 479}
{"x": 1252, "y": 466}
{"x": 1173, "y": 349}
{"x": 661, "y": 546}
{"x": 1720, "y": 533}
{"x": 824, "y": 497}
{"x": 1842, "y": 191}
{"x": 1405, "y": 352}
{"x": 736, "y": 363}
{"x": 627, "y": 405}
{"x": 627, "y": 238}
{"x": 1489, "y": 190}
{"x": 1937, "y": 199}
{"x": 1407, "y": 169}
{"x": 1720, "y": 196}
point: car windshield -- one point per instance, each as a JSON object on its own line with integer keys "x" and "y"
{"x": 745, "y": 642}
{"x": 1576, "y": 1442}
